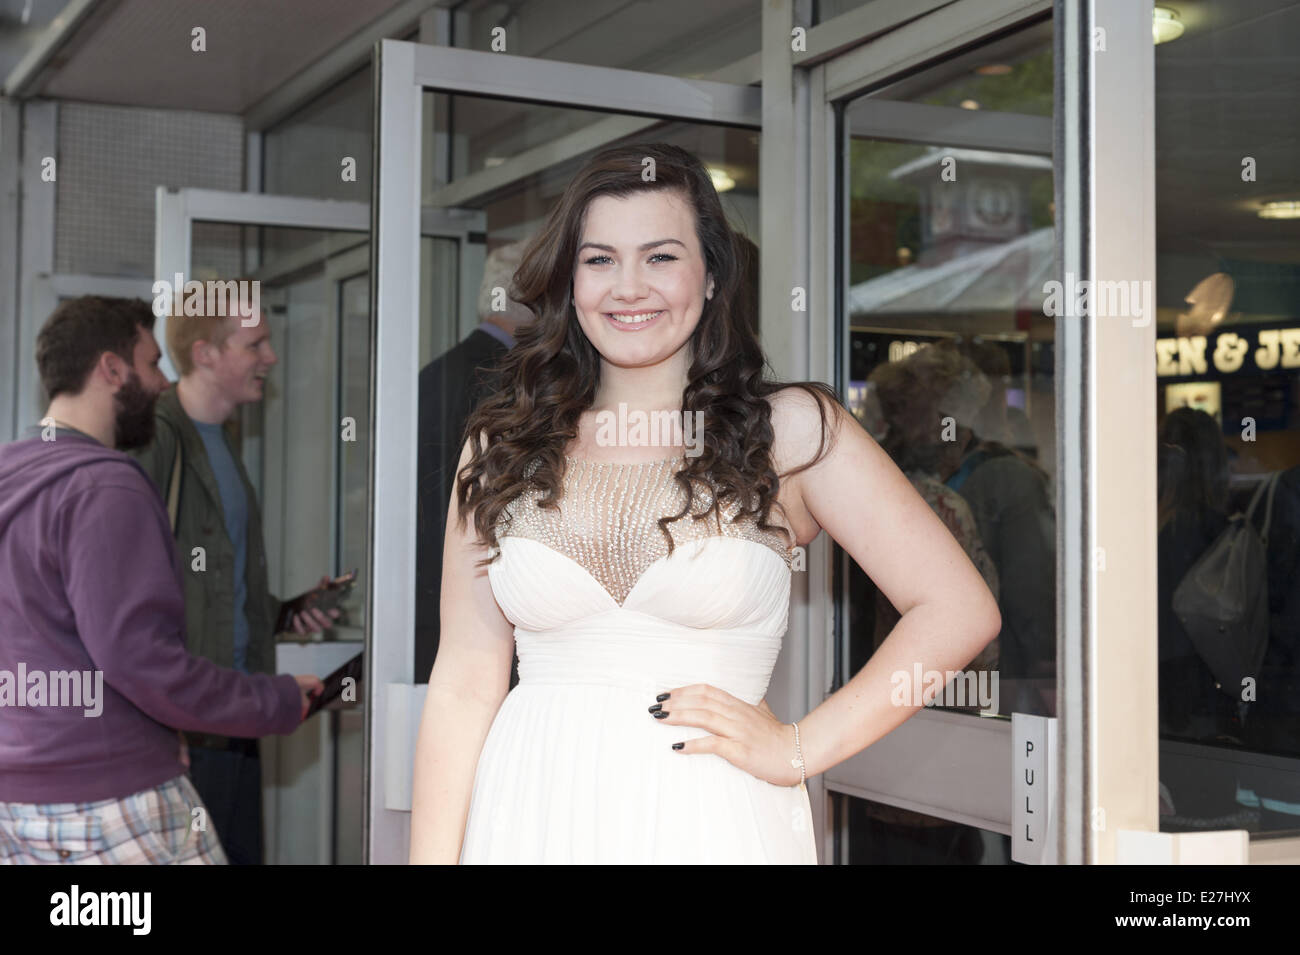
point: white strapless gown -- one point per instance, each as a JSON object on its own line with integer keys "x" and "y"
{"x": 574, "y": 768}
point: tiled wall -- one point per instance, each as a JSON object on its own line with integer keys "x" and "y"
{"x": 111, "y": 158}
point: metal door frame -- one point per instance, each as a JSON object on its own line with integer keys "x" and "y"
{"x": 176, "y": 212}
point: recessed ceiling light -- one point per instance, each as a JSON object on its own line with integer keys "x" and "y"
{"x": 1165, "y": 25}
{"x": 721, "y": 181}
{"x": 1280, "y": 210}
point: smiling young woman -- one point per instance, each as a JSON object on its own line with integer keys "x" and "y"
{"x": 647, "y": 596}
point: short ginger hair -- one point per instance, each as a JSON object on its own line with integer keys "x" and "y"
{"x": 184, "y": 330}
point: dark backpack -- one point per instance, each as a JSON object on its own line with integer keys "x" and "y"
{"x": 1222, "y": 601}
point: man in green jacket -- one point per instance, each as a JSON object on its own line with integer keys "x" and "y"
{"x": 230, "y": 612}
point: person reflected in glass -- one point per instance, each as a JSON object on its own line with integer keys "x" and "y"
{"x": 1012, "y": 501}
{"x": 449, "y": 387}
{"x": 904, "y": 406}
{"x": 1193, "y": 506}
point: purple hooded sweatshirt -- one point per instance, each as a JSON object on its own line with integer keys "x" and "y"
{"x": 90, "y": 593}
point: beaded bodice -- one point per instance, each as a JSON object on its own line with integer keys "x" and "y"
{"x": 606, "y": 519}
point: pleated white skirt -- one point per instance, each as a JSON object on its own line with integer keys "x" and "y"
{"x": 582, "y": 773}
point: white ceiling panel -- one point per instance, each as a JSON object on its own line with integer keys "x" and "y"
{"x": 141, "y": 52}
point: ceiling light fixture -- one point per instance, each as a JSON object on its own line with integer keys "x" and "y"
{"x": 721, "y": 181}
{"x": 1209, "y": 301}
{"x": 1165, "y": 25}
{"x": 1289, "y": 209}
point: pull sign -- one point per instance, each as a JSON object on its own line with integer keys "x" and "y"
{"x": 1033, "y": 821}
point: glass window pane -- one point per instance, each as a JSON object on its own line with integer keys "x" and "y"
{"x": 354, "y": 448}
{"x": 1228, "y": 413}
{"x": 311, "y": 481}
{"x": 309, "y": 471}
{"x": 878, "y": 834}
{"x": 824, "y": 10}
{"x": 303, "y": 155}
{"x": 674, "y": 37}
{"x": 950, "y": 355}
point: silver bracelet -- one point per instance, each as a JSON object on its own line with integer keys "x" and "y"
{"x": 797, "y": 761}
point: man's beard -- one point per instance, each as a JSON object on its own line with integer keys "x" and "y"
{"x": 133, "y": 424}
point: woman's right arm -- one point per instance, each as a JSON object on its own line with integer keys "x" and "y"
{"x": 470, "y": 678}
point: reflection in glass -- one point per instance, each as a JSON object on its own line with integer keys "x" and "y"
{"x": 950, "y": 361}
{"x": 321, "y": 376}
{"x": 1228, "y": 415}
{"x": 310, "y": 475}
{"x": 354, "y": 454}
{"x": 889, "y": 835}
{"x": 450, "y": 386}
{"x": 307, "y": 153}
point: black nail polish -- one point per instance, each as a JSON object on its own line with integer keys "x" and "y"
{"x": 661, "y": 697}
{"x": 656, "y": 708}
{"x": 678, "y": 745}
{"x": 661, "y": 714}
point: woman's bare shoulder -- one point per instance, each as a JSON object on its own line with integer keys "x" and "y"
{"x": 799, "y": 433}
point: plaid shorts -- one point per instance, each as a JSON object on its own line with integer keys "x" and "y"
{"x": 152, "y": 827}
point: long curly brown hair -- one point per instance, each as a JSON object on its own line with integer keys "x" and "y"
{"x": 549, "y": 378}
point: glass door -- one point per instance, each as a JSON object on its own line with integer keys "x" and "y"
{"x": 992, "y": 229}
{"x": 948, "y": 362}
{"x": 307, "y": 449}
{"x": 939, "y": 204}
{"x": 1227, "y": 405}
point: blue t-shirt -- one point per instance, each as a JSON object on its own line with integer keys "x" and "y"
{"x": 234, "y": 505}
